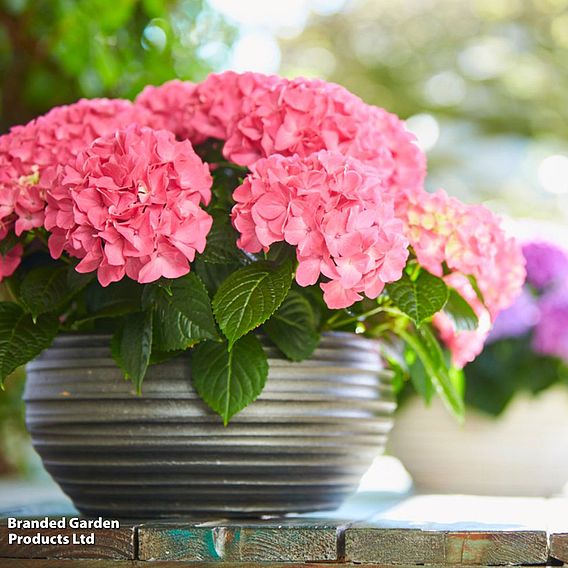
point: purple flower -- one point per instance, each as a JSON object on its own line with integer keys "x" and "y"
{"x": 517, "y": 320}
{"x": 551, "y": 332}
{"x": 547, "y": 264}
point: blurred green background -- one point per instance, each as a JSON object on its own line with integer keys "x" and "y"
{"x": 482, "y": 82}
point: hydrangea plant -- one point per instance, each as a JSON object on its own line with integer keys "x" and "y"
{"x": 202, "y": 214}
{"x": 527, "y": 349}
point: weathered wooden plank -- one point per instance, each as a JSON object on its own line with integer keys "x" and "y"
{"x": 108, "y": 543}
{"x": 396, "y": 546}
{"x": 496, "y": 548}
{"x": 559, "y": 546}
{"x": 42, "y": 563}
{"x": 292, "y": 541}
{"x": 39, "y": 563}
{"x": 415, "y": 546}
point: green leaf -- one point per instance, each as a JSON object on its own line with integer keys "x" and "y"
{"x": 440, "y": 373}
{"x": 460, "y": 312}
{"x": 229, "y": 380}
{"x": 213, "y": 275}
{"x": 45, "y": 289}
{"x": 476, "y": 289}
{"x": 292, "y": 328}
{"x": 419, "y": 298}
{"x": 222, "y": 242}
{"x": 428, "y": 350}
{"x": 132, "y": 345}
{"x": 76, "y": 281}
{"x": 183, "y": 314}
{"x": 21, "y": 340}
{"x": 122, "y": 295}
{"x": 420, "y": 380}
{"x": 281, "y": 252}
{"x": 249, "y": 296}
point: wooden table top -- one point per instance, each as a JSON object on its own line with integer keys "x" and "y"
{"x": 371, "y": 528}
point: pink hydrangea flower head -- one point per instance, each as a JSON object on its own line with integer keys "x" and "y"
{"x": 203, "y": 110}
{"x": 335, "y": 211}
{"x": 10, "y": 260}
{"x": 172, "y": 106}
{"x": 130, "y": 205}
{"x": 303, "y": 116}
{"x": 31, "y": 154}
{"x": 468, "y": 240}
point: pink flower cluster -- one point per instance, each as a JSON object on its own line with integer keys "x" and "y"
{"x": 336, "y": 213}
{"x": 30, "y": 154}
{"x": 130, "y": 204}
{"x": 448, "y": 235}
{"x": 199, "y": 111}
{"x": 259, "y": 115}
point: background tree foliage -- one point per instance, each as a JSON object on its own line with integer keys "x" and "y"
{"x": 56, "y": 51}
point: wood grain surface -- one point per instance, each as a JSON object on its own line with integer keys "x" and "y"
{"x": 285, "y": 541}
{"x": 109, "y": 544}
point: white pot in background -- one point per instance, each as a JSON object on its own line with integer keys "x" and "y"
{"x": 524, "y": 452}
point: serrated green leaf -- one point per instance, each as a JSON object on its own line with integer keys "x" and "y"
{"x": 132, "y": 345}
{"x": 292, "y": 328}
{"x": 249, "y": 296}
{"x": 21, "y": 340}
{"x": 183, "y": 314}
{"x": 229, "y": 380}
{"x": 45, "y": 289}
{"x": 460, "y": 312}
{"x": 419, "y": 298}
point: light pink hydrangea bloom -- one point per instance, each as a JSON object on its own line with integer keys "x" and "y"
{"x": 30, "y": 154}
{"x": 10, "y": 260}
{"x": 468, "y": 241}
{"x": 334, "y": 209}
{"x": 130, "y": 204}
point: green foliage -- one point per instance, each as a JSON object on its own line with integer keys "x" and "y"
{"x": 507, "y": 367}
{"x": 428, "y": 350}
{"x": 293, "y": 328}
{"x": 229, "y": 379}
{"x": 249, "y": 296}
{"x": 132, "y": 345}
{"x": 56, "y": 51}
{"x": 221, "y": 242}
{"x": 49, "y": 288}
{"x": 183, "y": 315}
{"x": 419, "y": 297}
{"x": 460, "y": 312}
{"x": 22, "y": 339}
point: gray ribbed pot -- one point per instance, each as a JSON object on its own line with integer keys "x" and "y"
{"x": 301, "y": 446}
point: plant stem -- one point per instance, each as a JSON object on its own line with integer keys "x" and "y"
{"x": 361, "y": 317}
